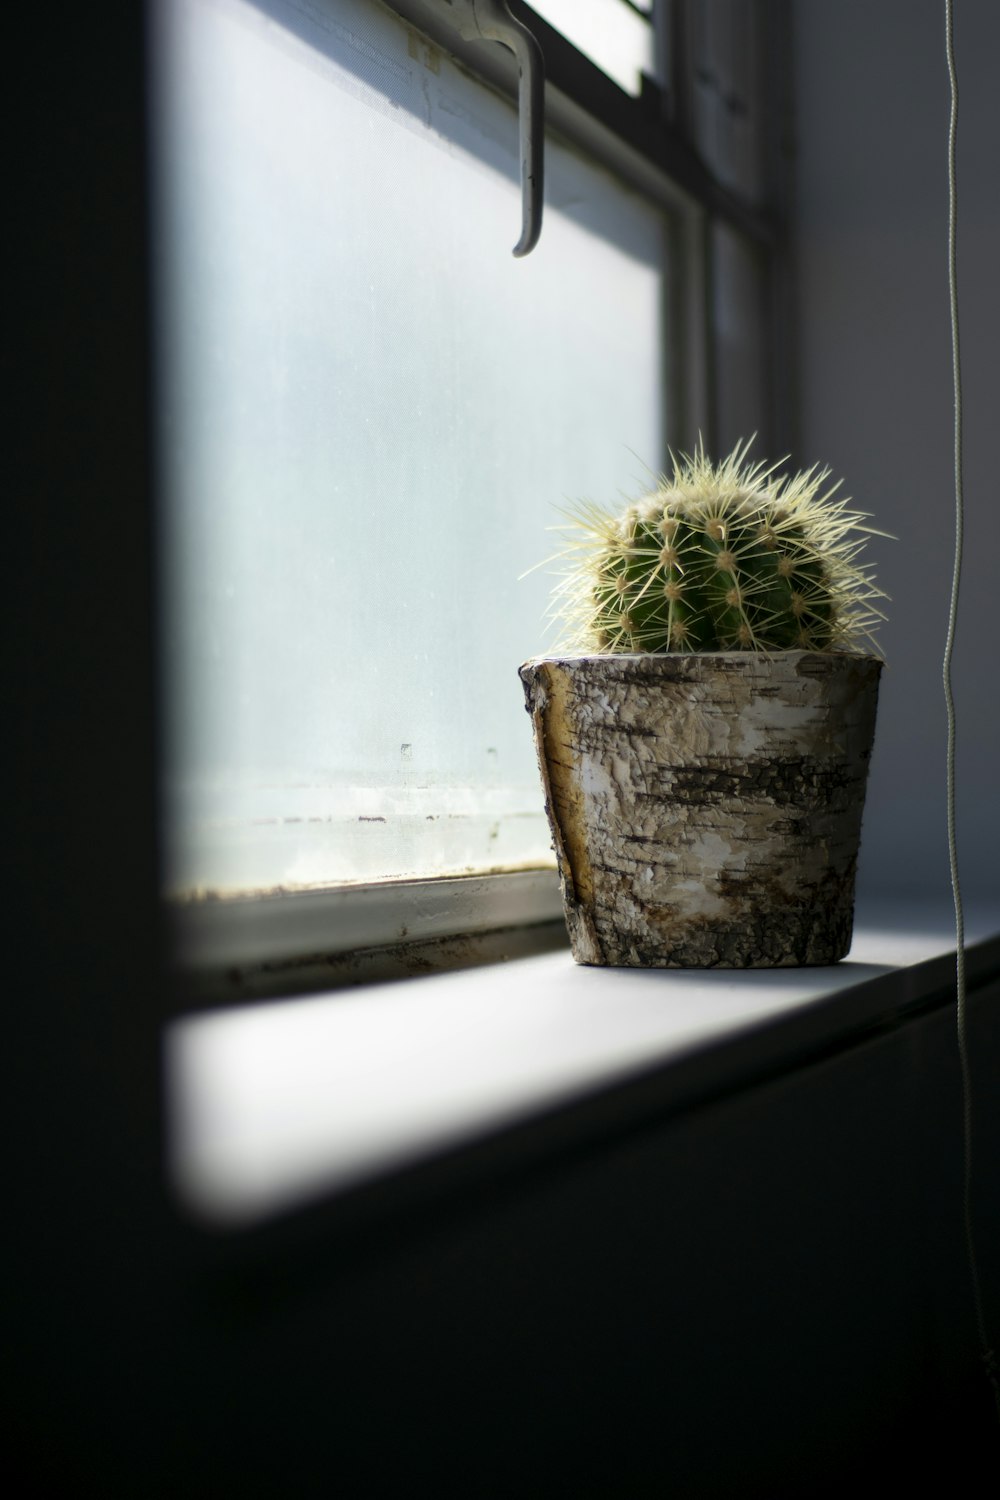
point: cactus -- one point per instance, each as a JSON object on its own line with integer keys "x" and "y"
{"x": 726, "y": 557}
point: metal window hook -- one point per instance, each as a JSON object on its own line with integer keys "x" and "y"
{"x": 491, "y": 20}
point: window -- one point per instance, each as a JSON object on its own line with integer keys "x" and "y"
{"x": 371, "y": 411}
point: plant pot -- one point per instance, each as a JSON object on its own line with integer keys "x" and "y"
{"x": 705, "y": 809}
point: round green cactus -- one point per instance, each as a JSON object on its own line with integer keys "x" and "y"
{"x": 726, "y": 557}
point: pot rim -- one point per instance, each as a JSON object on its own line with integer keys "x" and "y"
{"x": 715, "y": 656}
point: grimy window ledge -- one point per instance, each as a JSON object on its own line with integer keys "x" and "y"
{"x": 277, "y": 1107}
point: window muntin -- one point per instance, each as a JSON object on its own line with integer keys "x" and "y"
{"x": 370, "y": 411}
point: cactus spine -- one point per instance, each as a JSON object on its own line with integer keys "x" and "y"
{"x": 725, "y": 557}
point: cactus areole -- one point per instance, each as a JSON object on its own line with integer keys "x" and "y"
{"x": 704, "y": 731}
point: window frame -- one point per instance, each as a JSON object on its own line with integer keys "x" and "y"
{"x": 223, "y": 950}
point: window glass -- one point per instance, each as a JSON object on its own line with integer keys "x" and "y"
{"x": 726, "y": 65}
{"x": 615, "y": 34}
{"x": 739, "y": 327}
{"x": 370, "y": 412}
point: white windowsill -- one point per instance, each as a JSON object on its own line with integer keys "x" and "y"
{"x": 274, "y": 1105}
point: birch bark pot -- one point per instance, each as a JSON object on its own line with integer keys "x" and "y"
{"x": 705, "y": 809}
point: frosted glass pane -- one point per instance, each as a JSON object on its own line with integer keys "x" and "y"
{"x": 610, "y": 32}
{"x": 742, "y": 392}
{"x": 728, "y": 91}
{"x": 370, "y": 411}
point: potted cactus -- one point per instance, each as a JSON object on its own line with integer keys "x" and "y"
{"x": 704, "y": 729}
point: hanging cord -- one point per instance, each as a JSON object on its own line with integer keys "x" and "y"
{"x": 988, "y": 1356}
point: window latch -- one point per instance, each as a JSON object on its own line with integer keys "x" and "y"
{"x": 491, "y": 20}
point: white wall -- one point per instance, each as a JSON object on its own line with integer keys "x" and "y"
{"x": 875, "y": 389}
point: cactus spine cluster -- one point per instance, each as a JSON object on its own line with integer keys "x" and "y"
{"x": 726, "y": 557}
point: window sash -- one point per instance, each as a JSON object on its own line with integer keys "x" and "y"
{"x": 646, "y": 148}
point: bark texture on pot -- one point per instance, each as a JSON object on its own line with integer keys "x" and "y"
{"x": 705, "y": 809}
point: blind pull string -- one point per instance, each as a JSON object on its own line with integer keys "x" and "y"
{"x": 988, "y": 1356}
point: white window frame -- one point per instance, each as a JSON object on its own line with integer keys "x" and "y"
{"x": 279, "y": 941}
